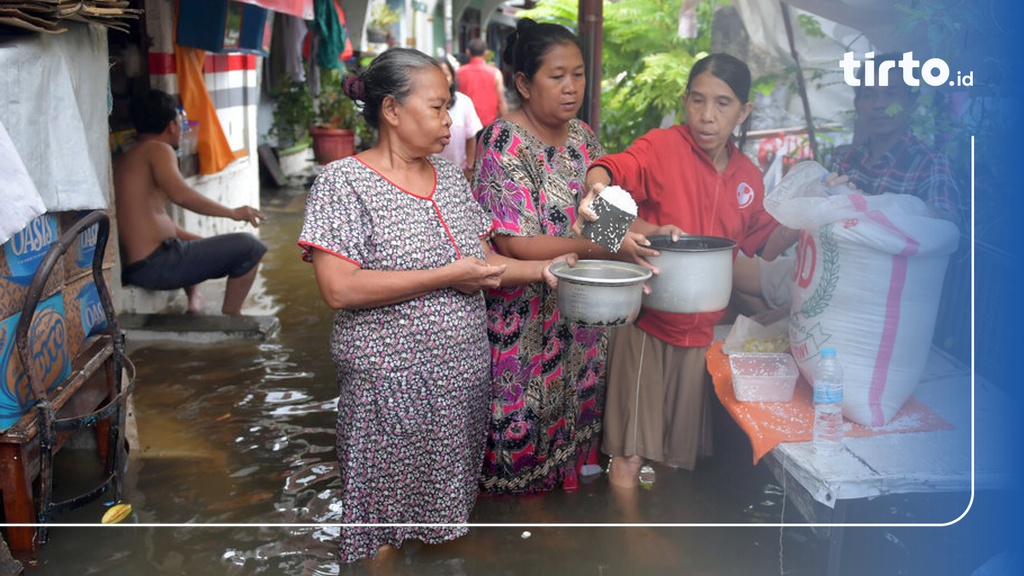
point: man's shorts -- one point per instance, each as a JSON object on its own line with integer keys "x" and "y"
{"x": 176, "y": 263}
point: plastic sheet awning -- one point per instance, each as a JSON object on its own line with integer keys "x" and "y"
{"x": 300, "y": 8}
{"x": 53, "y": 107}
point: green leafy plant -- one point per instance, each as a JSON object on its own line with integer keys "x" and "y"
{"x": 365, "y": 136}
{"x": 293, "y": 113}
{"x": 334, "y": 109}
{"x": 644, "y": 62}
{"x": 383, "y": 17}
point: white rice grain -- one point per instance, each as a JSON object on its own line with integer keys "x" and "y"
{"x": 620, "y": 198}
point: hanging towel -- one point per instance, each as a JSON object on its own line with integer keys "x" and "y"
{"x": 334, "y": 45}
{"x": 214, "y": 150}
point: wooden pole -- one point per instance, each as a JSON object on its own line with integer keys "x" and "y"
{"x": 590, "y": 22}
{"x": 800, "y": 80}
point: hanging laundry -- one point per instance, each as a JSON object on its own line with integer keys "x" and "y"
{"x": 333, "y": 46}
{"x": 293, "y": 32}
{"x": 215, "y": 152}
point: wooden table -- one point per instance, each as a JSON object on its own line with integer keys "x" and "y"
{"x": 90, "y": 385}
{"x": 946, "y": 461}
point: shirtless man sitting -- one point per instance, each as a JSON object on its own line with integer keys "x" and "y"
{"x": 156, "y": 253}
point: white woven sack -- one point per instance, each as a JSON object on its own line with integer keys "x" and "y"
{"x": 868, "y": 281}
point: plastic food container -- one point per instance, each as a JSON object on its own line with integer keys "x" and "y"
{"x": 758, "y": 377}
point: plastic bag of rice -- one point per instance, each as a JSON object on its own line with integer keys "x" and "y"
{"x": 615, "y": 210}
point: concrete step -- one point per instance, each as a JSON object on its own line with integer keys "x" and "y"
{"x": 196, "y": 328}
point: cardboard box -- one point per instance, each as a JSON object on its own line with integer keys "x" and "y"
{"x": 83, "y": 313}
{"x": 50, "y": 353}
{"x": 77, "y": 261}
{"x": 69, "y": 310}
{"x": 19, "y": 259}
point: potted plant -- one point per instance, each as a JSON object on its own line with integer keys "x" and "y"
{"x": 365, "y": 136}
{"x": 293, "y": 114}
{"x": 382, "y": 18}
{"x": 334, "y": 125}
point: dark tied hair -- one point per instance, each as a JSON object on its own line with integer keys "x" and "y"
{"x": 525, "y": 48}
{"x": 389, "y": 74}
{"x": 152, "y": 110}
{"x": 731, "y": 70}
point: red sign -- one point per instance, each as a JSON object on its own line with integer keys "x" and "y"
{"x": 301, "y": 8}
{"x": 805, "y": 258}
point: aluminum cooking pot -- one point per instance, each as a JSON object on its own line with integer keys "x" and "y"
{"x": 695, "y": 274}
{"x": 600, "y": 292}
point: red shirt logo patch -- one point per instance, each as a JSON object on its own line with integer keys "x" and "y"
{"x": 744, "y": 195}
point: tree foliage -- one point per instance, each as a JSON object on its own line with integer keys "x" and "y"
{"x": 644, "y": 62}
{"x": 947, "y": 119}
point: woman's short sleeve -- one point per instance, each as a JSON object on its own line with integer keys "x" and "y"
{"x": 506, "y": 181}
{"x": 336, "y": 219}
{"x": 451, "y": 178}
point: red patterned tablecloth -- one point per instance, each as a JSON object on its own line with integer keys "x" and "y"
{"x": 769, "y": 423}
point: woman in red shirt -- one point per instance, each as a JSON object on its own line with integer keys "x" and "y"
{"x": 687, "y": 179}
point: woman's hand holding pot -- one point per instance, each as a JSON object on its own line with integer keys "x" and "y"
{"x": 636, "y": 247}
{"x": 549, "y": 278}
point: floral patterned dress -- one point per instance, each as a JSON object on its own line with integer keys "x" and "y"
{"x": 547, "y": 389}
{"x": 412, "y": 377}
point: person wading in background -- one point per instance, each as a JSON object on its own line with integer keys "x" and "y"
{"x": 483, "y": 84}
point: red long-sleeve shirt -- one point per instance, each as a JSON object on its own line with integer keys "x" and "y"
{"x": 673, "y": 181}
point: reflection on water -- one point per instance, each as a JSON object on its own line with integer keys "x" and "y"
{"x": 243, "y": 433}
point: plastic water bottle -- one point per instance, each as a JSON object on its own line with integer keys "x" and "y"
{"x": 828, "y": 404}
{"x": 647, "y": 475}
{"x": 183, "y": 137}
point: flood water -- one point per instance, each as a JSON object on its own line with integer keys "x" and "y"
{"x": 242, "y": 434}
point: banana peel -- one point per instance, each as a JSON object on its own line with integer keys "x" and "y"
{"x": 117, "y": 513}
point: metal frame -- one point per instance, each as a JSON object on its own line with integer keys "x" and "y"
{"x": 113, "y": 411}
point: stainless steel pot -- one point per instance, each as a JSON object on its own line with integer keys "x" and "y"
{"x": 695, "y": 274}
{"x": 600, "y": 292}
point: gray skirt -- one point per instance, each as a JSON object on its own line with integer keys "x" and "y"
{"x": 658, "y": 400}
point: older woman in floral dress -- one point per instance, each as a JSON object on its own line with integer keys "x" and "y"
{"x": 396, "y": 241}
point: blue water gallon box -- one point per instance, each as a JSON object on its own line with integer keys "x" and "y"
{"x": 223, "y": 26}
{"x": 49, "y": 352}
{"x": 21, "y": 256}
